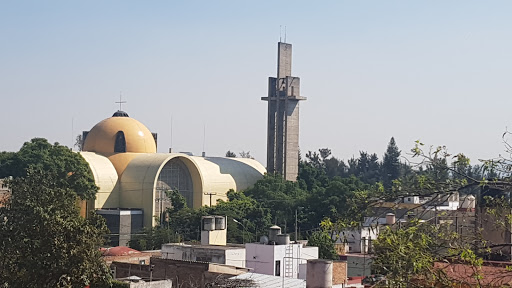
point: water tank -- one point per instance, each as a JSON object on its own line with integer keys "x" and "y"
{"x": 220, "y": 222}
{"x": 208, "y": 223}
{"x": 264, "y": 240}
{"x": 273, "y": 232}
{"x": 390, "y": 219}
{"x": 283, "y": 239}
{"x": 319, "y": 273}
{"x": 469, "y": 202}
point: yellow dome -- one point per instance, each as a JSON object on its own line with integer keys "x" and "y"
{"x": 119, "y": 134}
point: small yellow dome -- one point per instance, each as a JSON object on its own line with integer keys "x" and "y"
{"x": 119, "y": 134}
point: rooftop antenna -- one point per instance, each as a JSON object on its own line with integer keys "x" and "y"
{"x": 170, "y": 148}
{"x": 284, "y": 34}
{"x": 120, "y": 102}
{"x": 204, "y": 138}
{"x": 72, "y": 133}
{"x": 280, "y": 29}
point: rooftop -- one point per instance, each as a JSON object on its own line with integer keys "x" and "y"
{"x": 229, "y": 246}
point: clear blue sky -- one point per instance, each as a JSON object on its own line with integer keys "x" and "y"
{"x": 438, "y": 71}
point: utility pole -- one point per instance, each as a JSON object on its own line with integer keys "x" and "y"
{"x": 244, "y": 231}
{"x": 210, "y": 194}
{"x": 296, "y": 234}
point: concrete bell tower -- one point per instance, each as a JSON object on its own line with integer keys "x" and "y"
{"x": 283, "y": 117}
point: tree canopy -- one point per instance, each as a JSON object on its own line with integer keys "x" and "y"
{"x": 43, "y": 240}
{"x": 69, "y": 168}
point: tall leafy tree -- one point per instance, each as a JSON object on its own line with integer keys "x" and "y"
{"x": 43, "y": 240}
{"x": 70, "y": 169}
{"x": 391, "y": 164}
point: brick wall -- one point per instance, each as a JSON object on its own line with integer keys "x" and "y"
{"x": 339, "y": 272}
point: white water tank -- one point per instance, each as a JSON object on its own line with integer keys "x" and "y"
{"x": 220, "y": 222}
{"x": 469, "y": 202}
{"x": 319, "y": 273}
{"x": 208, "y": 223}
{"x": 273, "y": 232}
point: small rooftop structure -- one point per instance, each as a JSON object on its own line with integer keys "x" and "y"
{"x": 231, "y": 254}
{"x": 120, "y": 113}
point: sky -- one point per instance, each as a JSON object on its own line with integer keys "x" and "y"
{"x": 437, "y": 71}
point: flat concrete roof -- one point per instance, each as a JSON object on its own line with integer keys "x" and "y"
{"x": 210, "y": 247}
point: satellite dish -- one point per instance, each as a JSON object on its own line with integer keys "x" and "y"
{"x": 264, "y": 240}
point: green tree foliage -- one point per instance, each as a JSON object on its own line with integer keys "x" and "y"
{"x": 391, "y": 164}
{"x": 322, "y": 239}
{"x": 185, "y": 222}
{"x": 402, "y": 254}
{"x": 407, "y": 254}
{"x": 230, "y": 154}
{"x": 253, "y": 218}
{"x": 43, "y": 240}
{"x": 153, "y": 238}
{"x": 340, "y": 199}
{"x": 70, "y": 169}
{"x": 368, "y": 168}
{"x": 280, "y": 196}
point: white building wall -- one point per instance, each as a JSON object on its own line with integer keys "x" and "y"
{"x": 412, "y": 199}
{"x": 262, "y": 258}
{"x": 235, "y": 257}
{"x": 215, "y": 254}
{"x": 172, "y": 252}
{"x": 358, "y": 240}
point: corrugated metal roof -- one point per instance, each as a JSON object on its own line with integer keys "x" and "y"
{"x": 270, "y": 281}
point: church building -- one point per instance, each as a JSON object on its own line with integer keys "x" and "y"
{"x": 132, "y": 176}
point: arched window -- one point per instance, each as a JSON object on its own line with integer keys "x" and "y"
{"x": 120, "y": 146}
{"x": 175, "y": 176}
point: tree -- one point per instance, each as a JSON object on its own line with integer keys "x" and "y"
{"x": 71, "y": 169}
{"x": 44, "y": 242}
{"x": 230, "y": 154}
{"x": 79, "y": 142}
{"x": 391, "y": 164}
{"x": 247, "y": 154}
{"x": 325, "y": 244}
{"x": 152, "y": 238}
{"x": 419, "y": 253}
{"x": 343, "y": 199}
{"x": 368, "y": 167}
{"x": 254, "y": 219}
{"x": 402, "y": 254}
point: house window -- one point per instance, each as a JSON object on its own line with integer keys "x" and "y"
{"x": 278, "y": 268}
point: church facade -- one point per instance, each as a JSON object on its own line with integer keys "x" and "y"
{"x": 130, "y": 174}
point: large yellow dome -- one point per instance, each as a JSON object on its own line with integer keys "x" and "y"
{"x": 119, "y": 134}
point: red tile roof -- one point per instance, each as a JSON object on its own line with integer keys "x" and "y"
{"x": 493, "y": 275}
{"x": 118, "y": 251}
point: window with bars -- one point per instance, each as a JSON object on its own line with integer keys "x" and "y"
{"x": 173, "y": 176}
